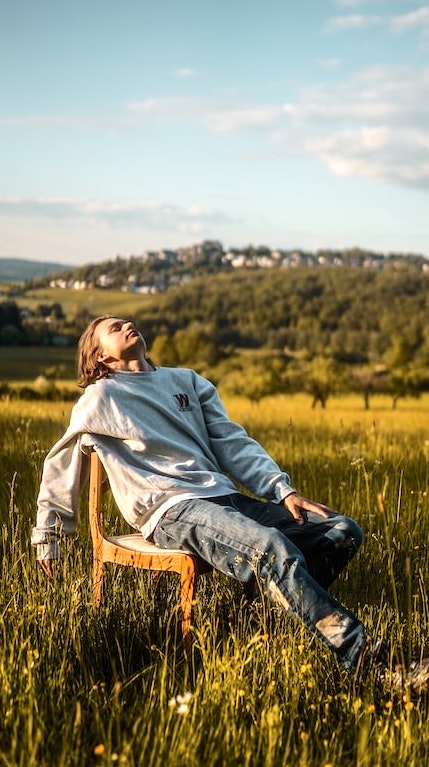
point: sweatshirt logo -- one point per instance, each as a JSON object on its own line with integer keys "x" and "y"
{"x": 182, "y": 400}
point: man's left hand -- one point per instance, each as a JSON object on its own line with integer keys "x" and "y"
{"x": 295, "y": 505}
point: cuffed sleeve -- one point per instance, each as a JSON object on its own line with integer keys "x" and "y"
{"x": 64, "y": 471}
{"x": 48, "y": 551}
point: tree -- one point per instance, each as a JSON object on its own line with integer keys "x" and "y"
{"x": 404, "y": 382}
{"x": 163, "y": 351}
{"x": 366, "y": 380}
{"x": 321, "y": 377}
{"x": 253, "y": 382}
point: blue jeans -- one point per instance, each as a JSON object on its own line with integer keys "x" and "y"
{"x": 294, "y": 564}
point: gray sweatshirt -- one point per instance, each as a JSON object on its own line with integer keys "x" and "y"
{"x": 163, "y": 436}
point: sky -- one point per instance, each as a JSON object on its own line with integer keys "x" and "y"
{"x": 140, "y": 125}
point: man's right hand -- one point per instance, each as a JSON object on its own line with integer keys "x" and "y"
{"x": 46, "y": 565}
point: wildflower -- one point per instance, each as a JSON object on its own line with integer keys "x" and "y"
{"x": 99, "y": 749}
{"x": 183, "y": 709}
{"x": 181, "y": 703}
{"x": 389, "y": 705}
{"x": 371, "y": 708}
{"x": 186, "y": 698}
{"x": 241, "y": 693}
{"x": 409, "y": 705}
{"x": 304, "y": 736}
{"x": 397, "y": 723}
{"x": 305, "y": 668}
{"x": 301, "y": 648}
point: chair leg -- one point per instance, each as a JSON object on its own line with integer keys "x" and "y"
{"x": 188, "y": 584}
{"x": 98, "y": 581}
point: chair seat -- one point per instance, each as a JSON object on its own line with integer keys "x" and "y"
{"x": 136, "y": 542}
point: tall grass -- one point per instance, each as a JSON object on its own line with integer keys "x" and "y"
{"x": 81, "y": 686}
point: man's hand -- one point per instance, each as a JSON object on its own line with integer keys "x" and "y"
{"x": 295, "y": 505}
{"x": 46, "y": 565}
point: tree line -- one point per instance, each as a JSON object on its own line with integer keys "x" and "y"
{"x": 321, "y": 330}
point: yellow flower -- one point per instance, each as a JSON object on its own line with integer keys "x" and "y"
{"x": 371, "y": 708}
{"x": 389, "y": 704}
{"x": 304, "y": 736}
{"x": 301, "y": 648}
{"x": 99, "y": 749}
{"x": 409, "y": 705}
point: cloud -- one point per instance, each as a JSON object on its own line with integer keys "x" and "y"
{"x": 220, "y": 116}
{"x": 355, "y": 3}
{"x": 376, "y": 153}
{"x": 330, "y": 63}
{"x": 148, "y": 215}
{"x": 374, "y": 125}
{"x": 352, "y": 21}
{"x": 184, "y": 72}
{"x": 418, "y": 19}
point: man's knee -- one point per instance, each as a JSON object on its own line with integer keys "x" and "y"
{"x": 346, "y": 533}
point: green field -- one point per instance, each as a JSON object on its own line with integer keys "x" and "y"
{"x": 25, "y": 363}
{"x": 84, "y": 687}
{"x": 96, "y": 301}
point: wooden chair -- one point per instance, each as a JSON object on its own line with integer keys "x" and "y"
{"x": 134, "y": 551}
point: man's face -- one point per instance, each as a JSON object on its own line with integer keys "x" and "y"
{"x": 119, "y": 340}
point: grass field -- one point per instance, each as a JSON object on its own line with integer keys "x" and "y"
{"x": 25, "y": 363}
{"x": 84, "y": 687}
{"x": 97, "y": 301}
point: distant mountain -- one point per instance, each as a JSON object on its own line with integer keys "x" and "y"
{"x": 21, "y": 269}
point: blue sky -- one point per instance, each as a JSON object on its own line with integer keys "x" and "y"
{"x": 132, "y": 126}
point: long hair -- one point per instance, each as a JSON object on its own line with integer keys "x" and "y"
{"x": 89, "y": 369}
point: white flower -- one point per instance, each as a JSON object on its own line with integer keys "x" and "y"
{"x": 181, "y": 703}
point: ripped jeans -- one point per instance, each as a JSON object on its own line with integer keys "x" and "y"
{"x": 294, "y": 564}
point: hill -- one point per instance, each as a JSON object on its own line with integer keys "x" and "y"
{"x": 21, "y": 269}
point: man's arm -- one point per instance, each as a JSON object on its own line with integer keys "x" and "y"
{"x": 64, "y": 472}
{"x": 247, "y": 461}
{"x": 239, "y": 455}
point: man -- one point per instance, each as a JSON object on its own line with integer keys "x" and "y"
{"x": 173, "y": 457}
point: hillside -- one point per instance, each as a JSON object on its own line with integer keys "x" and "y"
{"x": 156, "y": 271}
{"x": 22, "y": 270}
